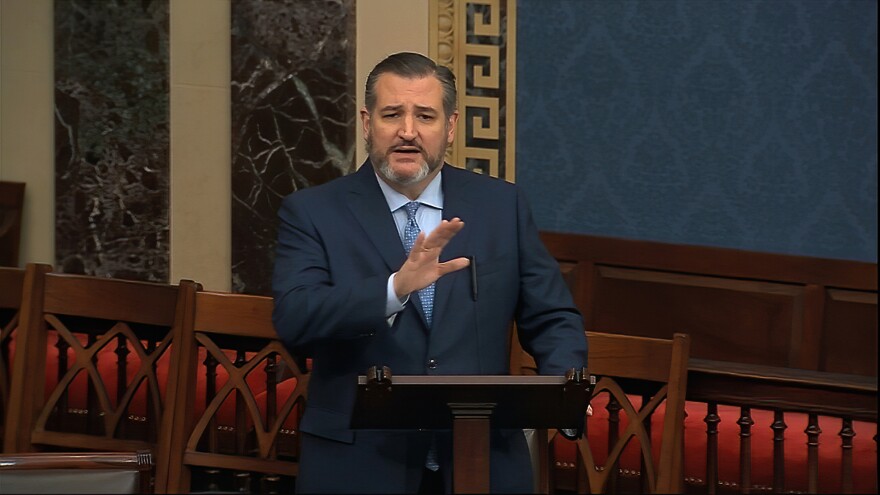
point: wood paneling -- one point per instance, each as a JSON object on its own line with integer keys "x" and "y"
{"x": 745, "y": 307}
{"x": 11, "y": 208}
{"x": 849, "y": 339}
{"x": 759, "y": 327}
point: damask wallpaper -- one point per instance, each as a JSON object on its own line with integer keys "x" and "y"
{"x": 748, "y": 124}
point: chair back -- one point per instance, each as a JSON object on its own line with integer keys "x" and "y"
{"x": 638, "y": 377}
{"x": 11, "y": 280}
{"x": 11, "y": 208}
{"x": 76, "y": 472}
{"x": 236, "y": 400}
{"x": 86, "y": 360}
{"x": 654, "y": 370}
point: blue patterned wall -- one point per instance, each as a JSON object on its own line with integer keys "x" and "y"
{"x": 749, "y": 124}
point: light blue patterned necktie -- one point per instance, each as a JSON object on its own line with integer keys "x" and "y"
{"x": 410, "y": 232}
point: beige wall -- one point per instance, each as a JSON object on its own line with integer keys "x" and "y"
{"x": 200, "y": 125}
{"x": 200, "y": 119}
{"x": 385, "y": 27}
{"x": 27, "y": 143}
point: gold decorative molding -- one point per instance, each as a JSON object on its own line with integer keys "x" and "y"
{"x": 476, "y": 39}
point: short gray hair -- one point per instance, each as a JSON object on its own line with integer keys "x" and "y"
{"x": 412, "y": 66}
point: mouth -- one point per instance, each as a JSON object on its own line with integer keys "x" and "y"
{"x": 407, "y": 150}
{"x": 406, "y": 153}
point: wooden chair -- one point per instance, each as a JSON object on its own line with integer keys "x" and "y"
{"x": 102, "y": 391}
{"x": 11, "y": 281}
{"x": 626, "y": 367}
{"x": 235, "y": 403}
{"x": 11, "y": 207}
{"x": 79, "y": 472}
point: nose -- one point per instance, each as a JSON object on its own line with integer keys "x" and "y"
{"x": 407, "y": 130}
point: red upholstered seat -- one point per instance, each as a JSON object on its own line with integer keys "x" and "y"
{"x": 864, "y": 469}
{"x": 864, "y": 453}
{"x": 864, "y": 449}
{"x": 107, "y": 359}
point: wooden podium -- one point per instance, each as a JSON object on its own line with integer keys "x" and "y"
{"x": 469, "y": 404}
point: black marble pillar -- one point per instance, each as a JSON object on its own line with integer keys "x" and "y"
{"x": 112, "y": 138}
{"x": 293, "y": 117}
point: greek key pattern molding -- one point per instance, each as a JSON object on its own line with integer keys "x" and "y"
{"x": 476, "y": 40}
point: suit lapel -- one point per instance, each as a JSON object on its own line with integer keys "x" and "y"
{"x": 367, "y": 203}
{"x": 365, "y": 199}
{"x": 455, "y": 204}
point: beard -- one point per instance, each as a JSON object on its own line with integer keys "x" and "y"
{"x": 383, "y": 167}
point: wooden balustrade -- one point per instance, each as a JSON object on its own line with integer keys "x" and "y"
{"x": 782, "y": 391}
{"x": 771, "y": 334}
{"x": 755, "y": 390}
{"x": 11, "y": 283}
{"x": 819, "y": 364}
{"x": 11, "y": 211}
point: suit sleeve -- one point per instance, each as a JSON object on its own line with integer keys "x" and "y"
{"x": 549, "y": 325}
{"x": 310, "y": 306}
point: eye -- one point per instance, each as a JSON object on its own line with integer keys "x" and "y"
{"x": 390, "y": 115}
{"x": 426, "y": 117}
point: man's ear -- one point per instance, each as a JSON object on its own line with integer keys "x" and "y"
{"x": 365, "y": 121}
{"x": 451, "y": 123}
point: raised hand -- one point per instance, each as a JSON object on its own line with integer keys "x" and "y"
{"x": 423, "y": 267}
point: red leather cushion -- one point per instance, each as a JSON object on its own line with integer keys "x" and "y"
{"x": 864, "y": 453}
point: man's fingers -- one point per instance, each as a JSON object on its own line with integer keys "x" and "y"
{"x": 443, "y": 233}
{"x": 418, "y": 246}
{"x": 453, "y": 265}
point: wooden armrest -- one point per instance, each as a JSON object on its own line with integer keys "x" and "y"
{"x": 136, "y": 461}
{"x": 833, "y": 394}
{"x": 76, "y": 472}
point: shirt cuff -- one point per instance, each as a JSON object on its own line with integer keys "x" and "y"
{"x": 393, "y": 304}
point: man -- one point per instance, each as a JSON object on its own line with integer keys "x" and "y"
{"x": 376, "y": 268}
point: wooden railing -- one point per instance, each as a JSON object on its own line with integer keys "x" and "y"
{"x": 749, "y": 387}
{"x": 771, "y": 334}
{"x": 754, "y": 388}
{"x": 11, "y": 282}
{"x": 783, "y": 391}
{"x": 757, "y": 391}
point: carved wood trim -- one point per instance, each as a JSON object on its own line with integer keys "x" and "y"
{"x": 476, "y": 39}
{"x": 266, "y": 435}
{"x": 819, "y": 314}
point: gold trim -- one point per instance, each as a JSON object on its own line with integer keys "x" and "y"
{"x": 483, "y": 128}
{"x": 486, "y": 92}
{"x": 510, "y": 142}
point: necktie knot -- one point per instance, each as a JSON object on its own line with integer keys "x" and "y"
{"x": 411, "y": 209}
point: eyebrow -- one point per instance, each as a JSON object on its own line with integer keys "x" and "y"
{"x": 421, "y": 108}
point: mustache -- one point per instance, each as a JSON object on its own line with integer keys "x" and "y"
{"x": 406, "y": 146}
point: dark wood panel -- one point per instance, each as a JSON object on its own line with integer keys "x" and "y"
{"x": 11, "y": 282}
{"x": 728, "y": 319}
{"x": 849, "y": 337}
{"x": 738, "y": 306}
{"x": 110, "y": 298}
{"x": 11, "y": 210}
{"x": 710, "y": 260}
{"x": 765, "y": 387}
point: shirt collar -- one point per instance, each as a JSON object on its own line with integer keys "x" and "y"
{"x": 432, "y": 195}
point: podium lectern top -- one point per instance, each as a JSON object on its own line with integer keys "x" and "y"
{"x": 428, "y": 402}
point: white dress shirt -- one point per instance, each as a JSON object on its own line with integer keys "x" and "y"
{"x": 428, "y": 216}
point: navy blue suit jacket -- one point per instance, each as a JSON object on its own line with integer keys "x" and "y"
{"x": 337, "y": 246}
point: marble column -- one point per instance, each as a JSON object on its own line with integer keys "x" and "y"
{"x": 293, "y": 117}
{"x": 111, "y": 138}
